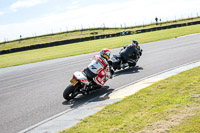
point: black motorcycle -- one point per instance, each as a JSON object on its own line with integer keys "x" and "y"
{"x": 118, "y": 64}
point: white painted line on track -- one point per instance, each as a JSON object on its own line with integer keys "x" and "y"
{"x": 73, "y": 116}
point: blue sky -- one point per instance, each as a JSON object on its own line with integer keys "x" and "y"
{"x": 36, "y": 17}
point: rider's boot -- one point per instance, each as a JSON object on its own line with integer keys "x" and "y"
{"x": 124, "y": 65}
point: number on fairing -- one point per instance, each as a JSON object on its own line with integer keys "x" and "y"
{"x": 93, "y": 67}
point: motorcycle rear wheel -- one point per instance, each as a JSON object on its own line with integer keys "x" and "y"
{"x": 69, "y": 91}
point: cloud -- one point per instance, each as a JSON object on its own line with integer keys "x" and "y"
{"x": 26, "y": 3}
{"x": 75, "y": 2}
{"x": 2, "y": 13}
{"x": 74, "y": 5}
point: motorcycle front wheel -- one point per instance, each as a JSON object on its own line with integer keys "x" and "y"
{"x": 69, "y": 92}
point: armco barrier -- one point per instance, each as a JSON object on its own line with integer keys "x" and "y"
{"x": 63, "y": 42}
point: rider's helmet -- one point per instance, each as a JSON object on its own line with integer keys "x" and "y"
{"x": 105, "y": 53}
{"x": 134, "y": 42}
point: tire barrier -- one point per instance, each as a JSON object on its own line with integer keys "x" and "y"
{"x": 123, "y": 33}
{"x": 76, "y": 40}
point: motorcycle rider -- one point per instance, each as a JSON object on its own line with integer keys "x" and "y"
{"x": 94, "y": 70}
{"x": 130, "y": 52}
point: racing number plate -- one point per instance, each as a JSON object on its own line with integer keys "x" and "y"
{"x": 73, "y": 81}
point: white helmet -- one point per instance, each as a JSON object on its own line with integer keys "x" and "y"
{"x": 105, "y": 53}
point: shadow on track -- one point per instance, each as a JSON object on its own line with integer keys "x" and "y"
{"x": 95, "y": 95}
{"x": 82, "y": 99}
{"x": 128, "y": 71}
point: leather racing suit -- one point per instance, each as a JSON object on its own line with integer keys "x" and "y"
{"x": 98, "y": 70}
{"x": 129, "y": 52}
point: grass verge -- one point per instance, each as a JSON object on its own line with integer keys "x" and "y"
{"x": 37, "y": 55}
{"x": 170, "y": 105}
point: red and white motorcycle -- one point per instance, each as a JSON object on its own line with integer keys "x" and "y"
{"x": 80, "y": 84}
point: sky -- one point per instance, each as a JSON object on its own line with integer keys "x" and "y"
{"x": 37, "y": 17}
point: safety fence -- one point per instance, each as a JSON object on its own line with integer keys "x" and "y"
{"x": 63, "y": 42}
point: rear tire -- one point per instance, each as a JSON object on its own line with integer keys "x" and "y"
{"x": 68, "y": 92}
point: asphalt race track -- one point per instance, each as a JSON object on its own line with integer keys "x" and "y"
{"x": 32, "y": 93}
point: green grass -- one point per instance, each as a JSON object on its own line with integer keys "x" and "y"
{"x": 170, "y": 105}
{"x": 53, "y": 37}
{"x": 79, "y": 34}
{"x": 190, "y": 125}
{"x": 37, "y": 55}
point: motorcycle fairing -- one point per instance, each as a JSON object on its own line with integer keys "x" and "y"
{"x": 81, "y": 77}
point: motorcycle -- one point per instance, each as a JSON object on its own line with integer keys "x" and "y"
{"x": 117, "y": 61}
{"x": 80, "y": 84}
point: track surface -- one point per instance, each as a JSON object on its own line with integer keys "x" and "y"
{"x": 32, "y": 93}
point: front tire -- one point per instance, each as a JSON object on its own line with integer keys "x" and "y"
{"x": 69, "y": 91}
